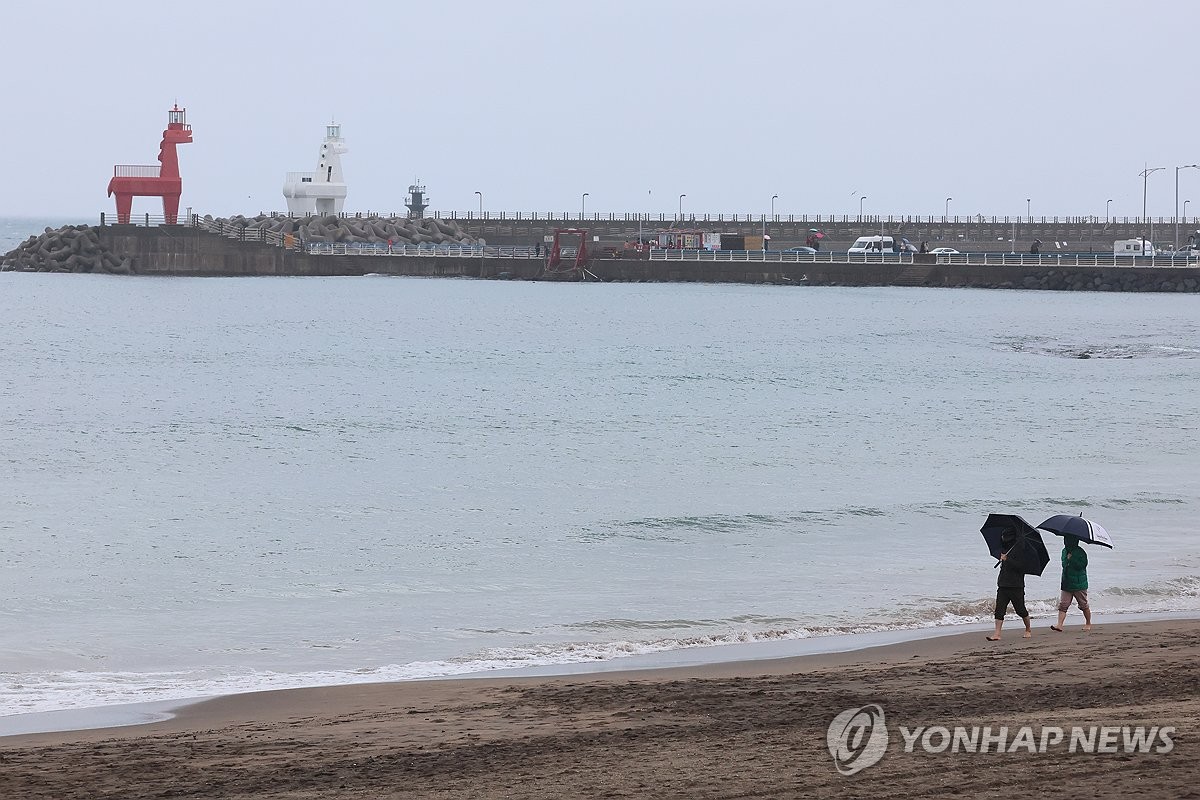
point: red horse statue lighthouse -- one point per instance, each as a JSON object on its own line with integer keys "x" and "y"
{"x": 163, "y": 181}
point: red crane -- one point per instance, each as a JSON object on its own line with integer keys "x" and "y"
{"x": 554, "y": 258}
{"x": 136, "y": 180}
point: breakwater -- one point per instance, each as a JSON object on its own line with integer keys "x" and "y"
{"x": 73, "y": 248}
{"x": 975, "y": 234}
{"x": 192, "y": 251}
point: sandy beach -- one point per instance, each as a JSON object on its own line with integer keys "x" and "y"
{"x": 743, "y": 729}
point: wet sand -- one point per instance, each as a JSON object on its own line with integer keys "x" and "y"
{"x": 740, "y": 729}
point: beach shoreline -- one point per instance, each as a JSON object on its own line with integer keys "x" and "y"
{"x": 756, "y": 727}
{"x": 702, "y": 658}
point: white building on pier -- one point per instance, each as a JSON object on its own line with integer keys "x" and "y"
{"x": 324, "y": 190}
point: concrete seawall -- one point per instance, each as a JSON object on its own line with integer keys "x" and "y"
{"x": 975, "y": 235}
{"x": 193, "y": 252}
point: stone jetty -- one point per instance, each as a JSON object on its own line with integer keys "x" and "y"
{"x": 74, "y": 248}
{"x": 349, "y": 230}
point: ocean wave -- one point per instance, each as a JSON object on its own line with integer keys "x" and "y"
{"x": 1185, "y": 586}
{"x": 675, "y": 528}
{"x": 52, "y": 691}
{"x": 1046, "y": 346}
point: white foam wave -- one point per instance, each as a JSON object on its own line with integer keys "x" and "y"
{"x": 22, "y": 693}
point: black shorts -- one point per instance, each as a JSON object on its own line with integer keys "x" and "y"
{"x": 1010, "y": 594}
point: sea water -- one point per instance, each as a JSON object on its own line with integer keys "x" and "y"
{"x": 216, "y": 485}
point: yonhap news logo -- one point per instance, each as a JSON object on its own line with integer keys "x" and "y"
{"x": 859, "y": 737}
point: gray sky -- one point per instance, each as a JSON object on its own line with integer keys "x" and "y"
{"x": 635, "y": 103}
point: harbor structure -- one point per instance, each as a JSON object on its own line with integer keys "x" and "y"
{"x": 322, "y": 191}
{"x": 146, "y": 180}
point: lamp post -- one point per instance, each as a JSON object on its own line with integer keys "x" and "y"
{"x": 681, "y": 206}
{"x": 583, "y": 205}
{"x": 1185, "y": 202}
{"x": 480, "y": 204}
{"x": 764, "y": 225}
{"x": 1029, "y": 210}
{"x": 860, "y": 202}
{"x": 1108, "y": 211}
{"x": 1146, "y": 173}
{"x": 1185, "y": 166}
{"x": 948, "y": 199}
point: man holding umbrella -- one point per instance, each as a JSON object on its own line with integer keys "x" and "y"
{"x": 1019, "y": 551}
{"x": 1010, "y": 588}
{"x": 1074, "y": 583}
{"x": 1075, "y": 530}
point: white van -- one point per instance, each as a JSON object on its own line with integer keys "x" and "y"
{"x": 1133, "y": 247}
{"x": 881, "y": 244}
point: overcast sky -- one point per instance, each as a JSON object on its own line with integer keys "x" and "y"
{"x": 634, "y": 102}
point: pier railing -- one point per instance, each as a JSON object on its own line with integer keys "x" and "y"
{"x": 982, "y": 259}
{"x": 779, "y": 256}
{"x": 805, "y": 219}
{"x": 1066, "y": 260}
{"x": 219, "y": 227}
{"x": 426, "y": 250}
{"x": 137, "y": 170}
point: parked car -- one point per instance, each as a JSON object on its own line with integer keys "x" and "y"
{"x": 801, "y": 250}
{"x": 944, "y": 251}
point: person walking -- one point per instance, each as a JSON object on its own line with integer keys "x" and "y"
{"x": 1010, "y": 588}
{"x": 1074, "y": 584}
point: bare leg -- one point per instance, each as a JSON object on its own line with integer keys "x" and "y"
{"x": 996, "y": 637}
{"x": 1062, "y": 615}
{"x": 1087, "y": 618}
{"x": 1028, "y": 629}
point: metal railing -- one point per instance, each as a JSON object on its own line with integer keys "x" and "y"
{"x": 137, "y": 171}
{"x": 804, "y": 219}
{"x": 969, "y": 259}
{"x": 779, "y": 256}
{"x": 244, "y": 234}
{"x": 1065, "y": 260}
{"x": 229, "y": 231}
{"x": 145, "y": 220}
{"x": 427, "y": 250}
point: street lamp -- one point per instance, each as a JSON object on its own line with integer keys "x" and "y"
{"x": 1029, "y": 210}
{"x": 480, "y": 204}
{"x": 774, "y": 197}
{"x": 681, "y": 205}
{"x": 1146, "y": 173}
{"x": 1108, "y": 212}
{"x": 1185, "y": 202}
{"x": 860, "y": 202}
{"x": 583, "y": 205}
{"x": 1185, "y": 166}
{"x": 948, "y": 199}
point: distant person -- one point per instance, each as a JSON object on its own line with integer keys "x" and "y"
{"x": 1074, "y": 583}
{"x": 924, "y": 246}
{"x": 1010, "y": 588}
{"x": 1036, "y": 247}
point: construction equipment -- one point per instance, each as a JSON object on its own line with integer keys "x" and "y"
{"x": 554, "y": 258}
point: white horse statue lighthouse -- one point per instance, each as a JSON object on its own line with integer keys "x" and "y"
{"x": 322, "y": 191}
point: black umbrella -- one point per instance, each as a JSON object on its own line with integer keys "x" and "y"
{"x": 1082, "y": 529}
{"x": 1008, "y": 533}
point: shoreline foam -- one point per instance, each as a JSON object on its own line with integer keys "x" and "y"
{"x": 745, "y": 729}
{"x": 705, "y": 657}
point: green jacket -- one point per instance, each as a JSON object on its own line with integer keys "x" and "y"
{"x": 1074, "y": 564}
